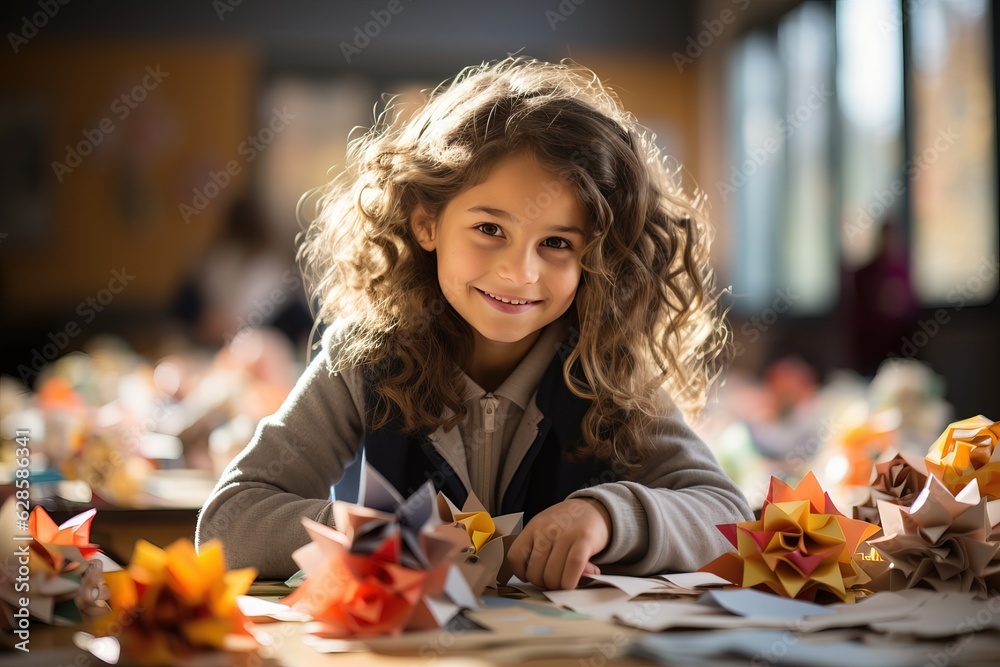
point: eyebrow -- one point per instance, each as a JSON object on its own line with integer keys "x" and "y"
{"x": 508, "y": 217}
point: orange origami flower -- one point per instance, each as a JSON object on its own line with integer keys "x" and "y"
{"x": 802, "y": 547}
{"x": 385, "y": 570}
{"x": 49, "y": 537}
{"x": 359, "y": 595}
{"x": 967, "y": 450}
{"x": 170, "y": 603}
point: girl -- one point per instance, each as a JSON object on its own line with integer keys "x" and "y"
{"x": 520, "y": 299}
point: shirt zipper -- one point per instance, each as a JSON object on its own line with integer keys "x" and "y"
{"x": 490, "y": 404}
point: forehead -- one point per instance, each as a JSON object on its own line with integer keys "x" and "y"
{"x": 531, "y": 193}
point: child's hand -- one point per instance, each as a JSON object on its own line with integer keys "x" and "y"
{"x": 555, "y": 548}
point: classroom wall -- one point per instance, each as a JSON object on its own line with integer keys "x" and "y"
{"x": 119, "y": 208}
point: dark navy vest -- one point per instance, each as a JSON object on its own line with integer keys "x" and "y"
{"x": 546, "y": 475}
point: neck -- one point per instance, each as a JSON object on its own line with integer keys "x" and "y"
{"x": 492, "y": 362}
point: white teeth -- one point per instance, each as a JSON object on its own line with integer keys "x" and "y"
{"x": 510, "y": 301}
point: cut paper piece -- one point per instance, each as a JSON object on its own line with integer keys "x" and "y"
{"x": 259, "y": 609}
{"x": 511, "y": 632}
{"x": 898, "y": 481}
{"x": 946, "y": 542}
{"x": 802, "y": 547}
{"x": 634, "y": 586}
{"x": 694, "y": 580}
{"x": 606, "y": 597}
{"x": 521, "y": 624}
{"x": 65, "y": 572}
{"x": 781, "y": 648}
{"x": 488, "y": 539}
{"x": 943, "y": 616}
{"x": 106, "y": 649}
{"x": 600, "y": 603}
{"x": 178, "y": 603}
{"x": 529, "y": 590}
{"x": 967, "y": 451}
{"x": 387, "y": 570}
{"x": 661, "y": 615}
{"x": 749, "y": 603}
{"x": 883, "y": 606}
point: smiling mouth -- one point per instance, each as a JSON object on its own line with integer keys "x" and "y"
{"x": 513, "y": 302}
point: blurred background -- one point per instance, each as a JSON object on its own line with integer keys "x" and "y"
{"x": 152, "y": 156}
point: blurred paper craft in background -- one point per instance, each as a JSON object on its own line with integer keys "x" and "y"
{"x": 107, "y": 424}
{"x": 788, "y": 424}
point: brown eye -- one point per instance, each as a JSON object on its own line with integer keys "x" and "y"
{"x": 489, "y": 229}
{"x": 559, "y": 243}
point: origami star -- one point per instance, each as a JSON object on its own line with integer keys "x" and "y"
{"x": 387, "y": 569}
{"x": 170, "y": 604}
{"x": 943, "y": 541}
{"x": 896, "y": 481}
{"x": 802, "y": 547}
{"x": 966, "y": 451}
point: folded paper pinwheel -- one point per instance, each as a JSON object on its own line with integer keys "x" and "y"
{"x": 170, "y": 604}
{"x": 897, "y": 481}
{"x": 801, "y": 547}
{"x": 943, "y": 541}
{"x": 65, "y": 571}
{"x": 966, "y": 451}
{"x": 386, "y": 569}
{"x": 484, "y": 558}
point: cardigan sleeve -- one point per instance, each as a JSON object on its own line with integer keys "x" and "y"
{"x": 286, "y": 471}
{"x": 663, "y": 519}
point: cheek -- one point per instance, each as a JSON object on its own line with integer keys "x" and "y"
{"x": 568, "y": 281}
{"x": 464, "y": 262}
{"x": 457, "y": 267}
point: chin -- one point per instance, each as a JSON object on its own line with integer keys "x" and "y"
{"x": 503, "y": 334}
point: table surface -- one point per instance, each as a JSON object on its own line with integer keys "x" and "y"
{"x": 596, "y": 644}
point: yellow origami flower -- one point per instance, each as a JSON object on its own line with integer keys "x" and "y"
{"x": 966, "y": 451}
{"x": 484, "y": 561}
{"x": 479, "y": 525}
{"x": 801, "y": 547}
{"x": 170, "y": 603}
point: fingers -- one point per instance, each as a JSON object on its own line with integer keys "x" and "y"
{"x": 540, "y": 554}
{"x": 575, "y": 564}
{"x": 519, "y": 554}
{"x": 554, "y": 549}
{"x": 93, "y": 592}
{"x": 561, "y": 567}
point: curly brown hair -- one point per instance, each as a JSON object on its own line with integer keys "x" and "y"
{"x": 646, "y": 312}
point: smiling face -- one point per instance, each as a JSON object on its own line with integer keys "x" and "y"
{"x": 508, "y": 251}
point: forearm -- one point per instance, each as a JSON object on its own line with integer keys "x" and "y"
{"x": 257, "y": 506}
{"x": 260, "y": 526}
{"x": 659, "y": 530}
{"x": 665, "y": 518}
{"x": 286, "y": 472}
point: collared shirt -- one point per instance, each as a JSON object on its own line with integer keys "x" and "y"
{"x": 489, "y": 442}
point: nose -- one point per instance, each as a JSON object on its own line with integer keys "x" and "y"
{"x": 519, "y": 265}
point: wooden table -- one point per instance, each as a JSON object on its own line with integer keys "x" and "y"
{"x": 53, "y": 647}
